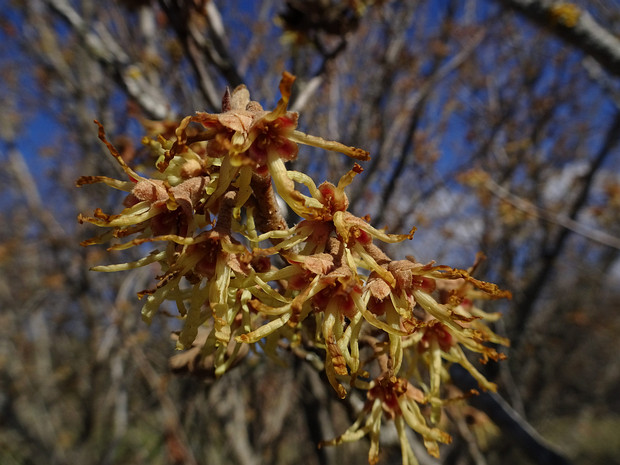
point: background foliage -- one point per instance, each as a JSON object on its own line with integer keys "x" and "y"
{"x": 493, "y": 127}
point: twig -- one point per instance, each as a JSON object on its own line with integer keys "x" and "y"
{"x": 106, "y": 50}
{"x": 513, "y": 426}
{"x": 310, "y": 88}
{"x": 30, "y": 190}
{"x": 556, "y": 218}
{"x": 176, "y": 440}
{"x": 412, "y": 110}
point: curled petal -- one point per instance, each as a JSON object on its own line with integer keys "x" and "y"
{"x": 154, "y": 256}
{"x": 126, "y": 186}
{"x": 314, "y": 141}
{"x": 131, "y": 173}
{"x": 264, "y": 330}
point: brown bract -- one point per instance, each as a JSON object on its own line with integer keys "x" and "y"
{"x": 388, "y": 388}
{"x": 247, "y": 132}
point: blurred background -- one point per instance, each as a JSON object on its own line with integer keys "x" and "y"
{"x": 493, "y": 127}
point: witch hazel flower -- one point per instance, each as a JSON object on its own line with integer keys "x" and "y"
{"x": 398, "y": 400}
{"x": 240, "y": 277}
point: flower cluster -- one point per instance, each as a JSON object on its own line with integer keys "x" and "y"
{"x": 238, "y": 273}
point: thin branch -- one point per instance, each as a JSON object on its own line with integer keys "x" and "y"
{"x": 314, "y": 400}
{"x": 514, "y": 427}
{"x": 176, "y": 440}
{"x": 413, "y": 107}
{"x": 30, "y": 190}
{"x": 228, "y": 406}
{"x": 102, "y": 46}
{"x": 425, "y": 90}
{"x": 312, "y": 86}
{"x": 218, "y": 45}
{"x": 556, "y": 218}
{"x": 604, "y": 81}
{"x": 550, "y": 253}
{"x": 196, "y": 48}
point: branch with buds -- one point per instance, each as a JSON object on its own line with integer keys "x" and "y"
{"x": 241, "y": 276}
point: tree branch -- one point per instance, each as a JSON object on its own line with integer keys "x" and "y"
{"x": 550, "y": 253}
{"x": 414, "y": 107}
{"x": 575, "y": 26}
{"x": 514, "y": 427}
{"x": 565, "y": 221}
{"x": 108, "y": 52}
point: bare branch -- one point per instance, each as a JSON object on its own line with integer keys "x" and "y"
{"x": 102, "y": 46}
{"x": 597, "y": 74}
{"x": 560, "y": 219}
{"x": 551, "y": 251}
{"x": 574, "y": 25}
{"x": 413, "y": 109}
{"x": 30, "y": 190}
{"x": 313, "y": 85}
{"x": 514, "y": 427}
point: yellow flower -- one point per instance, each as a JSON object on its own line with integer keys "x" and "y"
{"x": 237, "y": 273}
{"x": 396, "y": 399}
